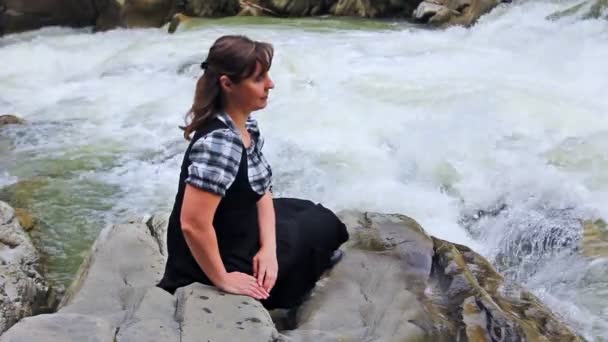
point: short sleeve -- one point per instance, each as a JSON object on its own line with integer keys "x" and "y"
{"x": 215, "y": 160}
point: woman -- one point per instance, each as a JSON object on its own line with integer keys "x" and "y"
{"x": 226, "y": 229}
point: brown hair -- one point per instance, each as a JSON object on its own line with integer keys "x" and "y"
{"x": 233, "y": 56}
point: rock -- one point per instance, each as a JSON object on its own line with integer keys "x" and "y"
{"x": 23, "y": 291}
{"x": 146, "y": 13}
{"x": 9, "y": 119}
{"x": 395, "y": 283}
{"x": 377, "y": 291}
{"x": 480, "y": 305}
{"x": 216, "y": 8}
{"x": 26, "y": 220}
{"x": 452, "y": 12}
{"x": 207, "y": 314}
{"x": 590, "y": 9}
{"x": 114, "y": 298}
{"x": 134, "y": 13}
{"x": 61, "y": 328}
{"x": 157, "y": 224}
{"x": 23, "y": 15}
{"x": 595, "y": 239}
{"x": 109, "y": 14}
{"x": 373, "y": 9}
{"x": 176, "y": 21}
{"x": 287, "y": 8}
{"x": 350, "y": 8}
{"x": 124, "y": 257}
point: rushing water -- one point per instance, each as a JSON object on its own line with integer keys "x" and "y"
{"x": 494, "y": 136}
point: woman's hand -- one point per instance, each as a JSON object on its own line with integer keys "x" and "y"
{"x": 242, "y": 284}
{"x": 266, "y": 268}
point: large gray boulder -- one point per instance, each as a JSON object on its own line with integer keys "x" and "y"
{"x": 376, "y": 292}
{"x": 114, "y": 298}
{"x": 23, "y": 290}
{"x": 395, "y": 283}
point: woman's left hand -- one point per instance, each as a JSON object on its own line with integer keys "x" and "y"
{"x": 266, "y": 268}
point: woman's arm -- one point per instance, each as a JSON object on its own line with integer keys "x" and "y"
{"x": 265, "y": 264}
{"x": 196, "y": 217}
{"x": 198, "y": 210}
{"x": 266, "y": 221}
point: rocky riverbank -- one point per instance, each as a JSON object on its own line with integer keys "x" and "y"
{"x": 396, "y": 283}
{"x": 21, "y": 15}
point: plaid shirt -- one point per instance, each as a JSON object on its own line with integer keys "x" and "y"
{"x": 216, "y": 157}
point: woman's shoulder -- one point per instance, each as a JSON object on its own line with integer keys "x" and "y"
{"x": 210, "y": 127}
{"x": 222, "y": 140}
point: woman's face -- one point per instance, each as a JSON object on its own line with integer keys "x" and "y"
{"x": 251, "y": 93}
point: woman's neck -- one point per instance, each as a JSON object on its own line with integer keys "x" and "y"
{"x": 238, "y": 116}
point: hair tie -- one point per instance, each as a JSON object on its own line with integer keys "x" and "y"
{"x": 204, "y": 65}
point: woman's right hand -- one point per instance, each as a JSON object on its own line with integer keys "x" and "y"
{"x": 242, "y": 284}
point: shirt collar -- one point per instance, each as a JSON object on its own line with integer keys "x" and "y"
{"x": 251, "y": 124}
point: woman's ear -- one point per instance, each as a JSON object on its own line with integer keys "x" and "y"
{"x": 225, "y": 83}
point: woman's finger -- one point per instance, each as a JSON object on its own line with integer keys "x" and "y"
{"x": 251, "y": 293}
{"x": 263, "y": 291}
{"x": 269, "y": 281}
{"x": 256, "y": 265}
{"x": 261, "y": 275}
{"x": 259, "y": 293}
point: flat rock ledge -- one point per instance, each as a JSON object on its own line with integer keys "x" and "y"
{"x": 395, "y": 283}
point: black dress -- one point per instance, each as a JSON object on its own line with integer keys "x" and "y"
{"x": 307, "y": 234}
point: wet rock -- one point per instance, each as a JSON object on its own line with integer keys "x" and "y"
{"x": 26, "y": 220}
{"x": 481, "y": 306}
{"x": 23, "y": 290}
{"x": 452, "y": 12}
{"x": 595, "y": 239}
{"x": 374, "y": 9}
{"x": 217, "y": 8}
{"x": 590, "y": 9}
{"x": 134, "y": 13}
{"x": 9, "y": 119}
{"x": 288, "y": 8}
{"x": 23, "y": 15}
{"x": 176, "y": 21}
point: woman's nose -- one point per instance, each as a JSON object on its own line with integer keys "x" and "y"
{"x": 269, "y": 83}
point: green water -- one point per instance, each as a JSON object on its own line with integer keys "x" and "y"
{"x": 69, "y": 207}
{"x": 316, "y": 24}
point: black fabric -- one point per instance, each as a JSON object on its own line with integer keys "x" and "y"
{"x": 307, "y": 234}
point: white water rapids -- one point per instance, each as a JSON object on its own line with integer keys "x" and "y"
{"x": 494, "y": 136}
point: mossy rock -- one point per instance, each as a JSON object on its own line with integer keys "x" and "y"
{"x": 27, "y": 221}
{"x": 475, "y": 296}
{"x": 10, "y": 119}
